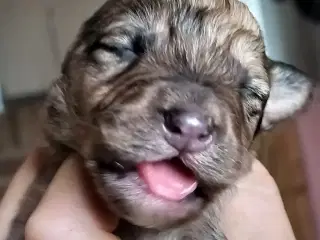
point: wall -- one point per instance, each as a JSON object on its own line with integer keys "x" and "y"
{"x": 67, "y": 25}
{"x": 1, "y": 101}
{"x": 292, "y": 39}
{"x": 288, "y": 37}
{"x": 34, "y": 38}
{"x": 26, "y": 63}
{"x": 309, "y": 131}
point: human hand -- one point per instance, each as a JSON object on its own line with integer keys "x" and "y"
{"x": 68, "y": 210}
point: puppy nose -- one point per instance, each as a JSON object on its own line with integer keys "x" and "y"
{"x": 187, "y": 129}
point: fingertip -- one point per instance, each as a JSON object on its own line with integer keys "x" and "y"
{"x": 68, "y": 208}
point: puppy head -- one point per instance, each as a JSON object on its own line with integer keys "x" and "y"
{"x": 163, "y": 99}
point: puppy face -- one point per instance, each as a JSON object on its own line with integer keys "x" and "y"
{"x": 163, "y": 99}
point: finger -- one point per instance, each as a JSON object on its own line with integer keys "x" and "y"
{"x": 70, "y": 209}
{"x": 256, "y": 210}
{"x": 18, "y": 187}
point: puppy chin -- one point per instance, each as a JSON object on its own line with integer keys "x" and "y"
{"x": 128, "y": 198}
{"x": 161, "y": 215}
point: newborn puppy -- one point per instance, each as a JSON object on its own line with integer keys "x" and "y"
{"x": 163, "y": 99}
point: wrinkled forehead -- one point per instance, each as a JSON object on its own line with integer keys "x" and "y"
{"x": 205, "y": 30}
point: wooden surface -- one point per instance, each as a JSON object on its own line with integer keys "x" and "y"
{"x": 279, "y": 151}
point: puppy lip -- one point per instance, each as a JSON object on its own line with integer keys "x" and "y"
{"x": 114, "y": 166}
{"x": 119, "y": 168}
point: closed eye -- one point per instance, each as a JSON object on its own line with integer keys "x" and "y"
{"x": 123, "y": 52}
{"x": 255, "y": 100}
{"x": 124, "y": 48}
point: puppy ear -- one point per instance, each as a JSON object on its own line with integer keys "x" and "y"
{"x": 291, "y": 90}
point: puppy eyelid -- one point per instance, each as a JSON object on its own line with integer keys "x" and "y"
{"x": 122, "y": 51}
{"x": 117, "y": 49}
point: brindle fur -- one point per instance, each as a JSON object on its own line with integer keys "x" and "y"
{"x": 134, "y": 59}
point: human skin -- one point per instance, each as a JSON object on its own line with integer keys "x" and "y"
{"x": 68, "y": 211}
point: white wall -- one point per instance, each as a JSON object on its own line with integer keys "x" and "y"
{"x": 30, "y": 55}
{"x": 26, "y": 62}
{"x": 68, "y": 17}
{"x": 288, "y": 36}
{"x": 31, "y": 50}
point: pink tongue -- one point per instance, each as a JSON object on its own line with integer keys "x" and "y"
{"x": 167, "y": 179}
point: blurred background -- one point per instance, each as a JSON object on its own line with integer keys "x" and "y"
{"x": 36, "y": 33}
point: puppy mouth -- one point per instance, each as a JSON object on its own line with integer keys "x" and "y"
{"x": 169, "y": 179}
